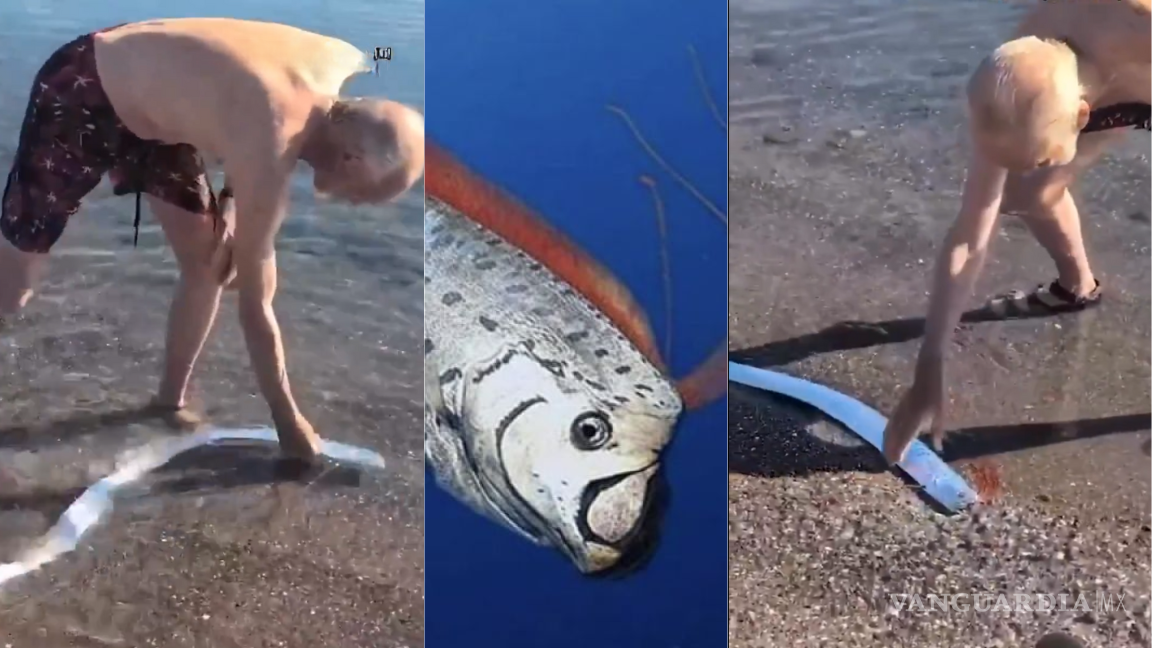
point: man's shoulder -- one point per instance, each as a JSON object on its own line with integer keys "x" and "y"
{"x": 322, "y": 63}
{"x": 327, "y": 67}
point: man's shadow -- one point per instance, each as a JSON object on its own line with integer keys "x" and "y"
{"x": 770, "y": 435}
{"x": 235, "y": 465}
{"x": 847, "y": 336}
{"x": 60, "y": 431}
{"x": 797, "y": 452}
{"x": 214, "y": 469}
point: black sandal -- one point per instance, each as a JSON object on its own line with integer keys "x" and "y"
{"x": 1052, "y": 299}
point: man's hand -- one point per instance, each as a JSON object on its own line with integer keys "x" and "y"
{"x": 921, "y": 407}
{"x": 261, "y": 196}
{"x": 957, "y": 268}
{"x": 222, "y": 263}
{"x": 298, "y": 440}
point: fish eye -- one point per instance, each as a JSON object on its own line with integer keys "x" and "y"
{"x": 591, "y": 431}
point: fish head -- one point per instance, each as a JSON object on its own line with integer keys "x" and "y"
{"x": 573, "y": 462}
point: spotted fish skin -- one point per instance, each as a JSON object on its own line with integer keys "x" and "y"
{"x": 515, "y": 363}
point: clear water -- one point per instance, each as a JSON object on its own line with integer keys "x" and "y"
{"x": 518, "y": 92}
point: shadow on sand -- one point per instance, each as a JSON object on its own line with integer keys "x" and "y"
{"x": 64, "y": 430}
{"x": 202, "y": 471}
{"x": 751, "y": 451}
{"x": 770, "y": 436}
{"x": 847, "y": 336}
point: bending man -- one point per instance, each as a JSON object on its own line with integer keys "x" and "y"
{"x": 1042, "y": 109}
{"x": 147, "y": 103}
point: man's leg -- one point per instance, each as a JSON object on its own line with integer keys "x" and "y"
{"x": 33, "y": 214}
{"x": 1055, "y": 224}
{"x": 197, "y": 297}
{"x": 1043, "y": 201}
{"x": 54, "y": 167}
{"x": 19, "y": 273}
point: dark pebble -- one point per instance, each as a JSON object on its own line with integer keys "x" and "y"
{"x": 1059, "y": 640}
{"x": 764, "y": 56}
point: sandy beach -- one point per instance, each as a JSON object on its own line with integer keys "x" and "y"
{"x": 847, "y": 159}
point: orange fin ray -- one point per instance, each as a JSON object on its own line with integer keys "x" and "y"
{"x": 665, "y": 261}
{"x": 448, "y": 180}
{"x": 703, "y": 83}
{"x": 664, "y": 164}
{"x": 707, "y": 382}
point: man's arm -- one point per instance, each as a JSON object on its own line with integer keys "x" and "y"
{"x": 963, "y": 253}
{"x": 261, "y": 197}
{"x": 960, "y": 261}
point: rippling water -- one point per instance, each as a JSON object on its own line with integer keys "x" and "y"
{"x": 518, "y": 92}
{"x": 89, "y": 349}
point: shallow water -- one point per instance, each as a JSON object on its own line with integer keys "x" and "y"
{"x": 528, "y": 112}
{"x": 88, "y": 351}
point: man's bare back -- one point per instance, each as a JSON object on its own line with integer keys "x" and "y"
{"x": 1042, "y": 108}
{"x": 1113, "y": 35}
{"x": 209, "y": 81}
{"x": 146, "y": 103}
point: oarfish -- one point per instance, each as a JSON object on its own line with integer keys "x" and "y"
{"x": 546, "y": 406}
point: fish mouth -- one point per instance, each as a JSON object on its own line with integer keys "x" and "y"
{"x": 634, "y": 547}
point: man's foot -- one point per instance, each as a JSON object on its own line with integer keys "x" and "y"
{"x": 1052, "y": 299}
{"x": 177, "y": 417}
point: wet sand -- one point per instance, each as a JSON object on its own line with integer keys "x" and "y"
{"x": 846, "y": 168}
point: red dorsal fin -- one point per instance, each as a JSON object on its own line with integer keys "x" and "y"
{"x": 448, "y": 180}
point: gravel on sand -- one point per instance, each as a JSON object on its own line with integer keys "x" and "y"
{"x": 824, "y": 557}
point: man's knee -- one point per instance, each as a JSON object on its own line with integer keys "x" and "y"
{"x": 200, "y": 243}
{"x": 213, "y": 270}
{"x": 1032, "y": 192}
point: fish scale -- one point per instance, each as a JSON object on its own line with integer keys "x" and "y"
{"x": 480, "y": 291}
{"x": 494, "y": 316}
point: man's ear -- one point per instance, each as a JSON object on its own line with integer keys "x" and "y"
{"x": 1083, "y": 111}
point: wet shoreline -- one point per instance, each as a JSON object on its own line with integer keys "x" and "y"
{"x": 219, "y": 548}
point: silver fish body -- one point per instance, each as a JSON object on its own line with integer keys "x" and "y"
{"x": 538, "y": 413}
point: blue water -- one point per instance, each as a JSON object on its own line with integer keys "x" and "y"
{"x": 518, "y": 91}
{"x": 32, "y": 29}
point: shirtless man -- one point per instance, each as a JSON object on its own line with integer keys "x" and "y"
{"x": 1042, "y": 108}
{"x": 147, "y": 103}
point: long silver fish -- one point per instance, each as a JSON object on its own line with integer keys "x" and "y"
{"x": 540, "y": 412}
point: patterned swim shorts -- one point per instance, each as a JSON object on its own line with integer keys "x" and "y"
{"x": 71, "y": 137}
{"x": 1125, "y": 115}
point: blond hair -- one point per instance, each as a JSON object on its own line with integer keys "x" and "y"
{"x": 382, "y": 138}
{"x": 363, "y": 131}
{"x": 1025, "y": 88}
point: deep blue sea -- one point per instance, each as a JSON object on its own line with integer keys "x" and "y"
{"x": 518, "y": 92}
